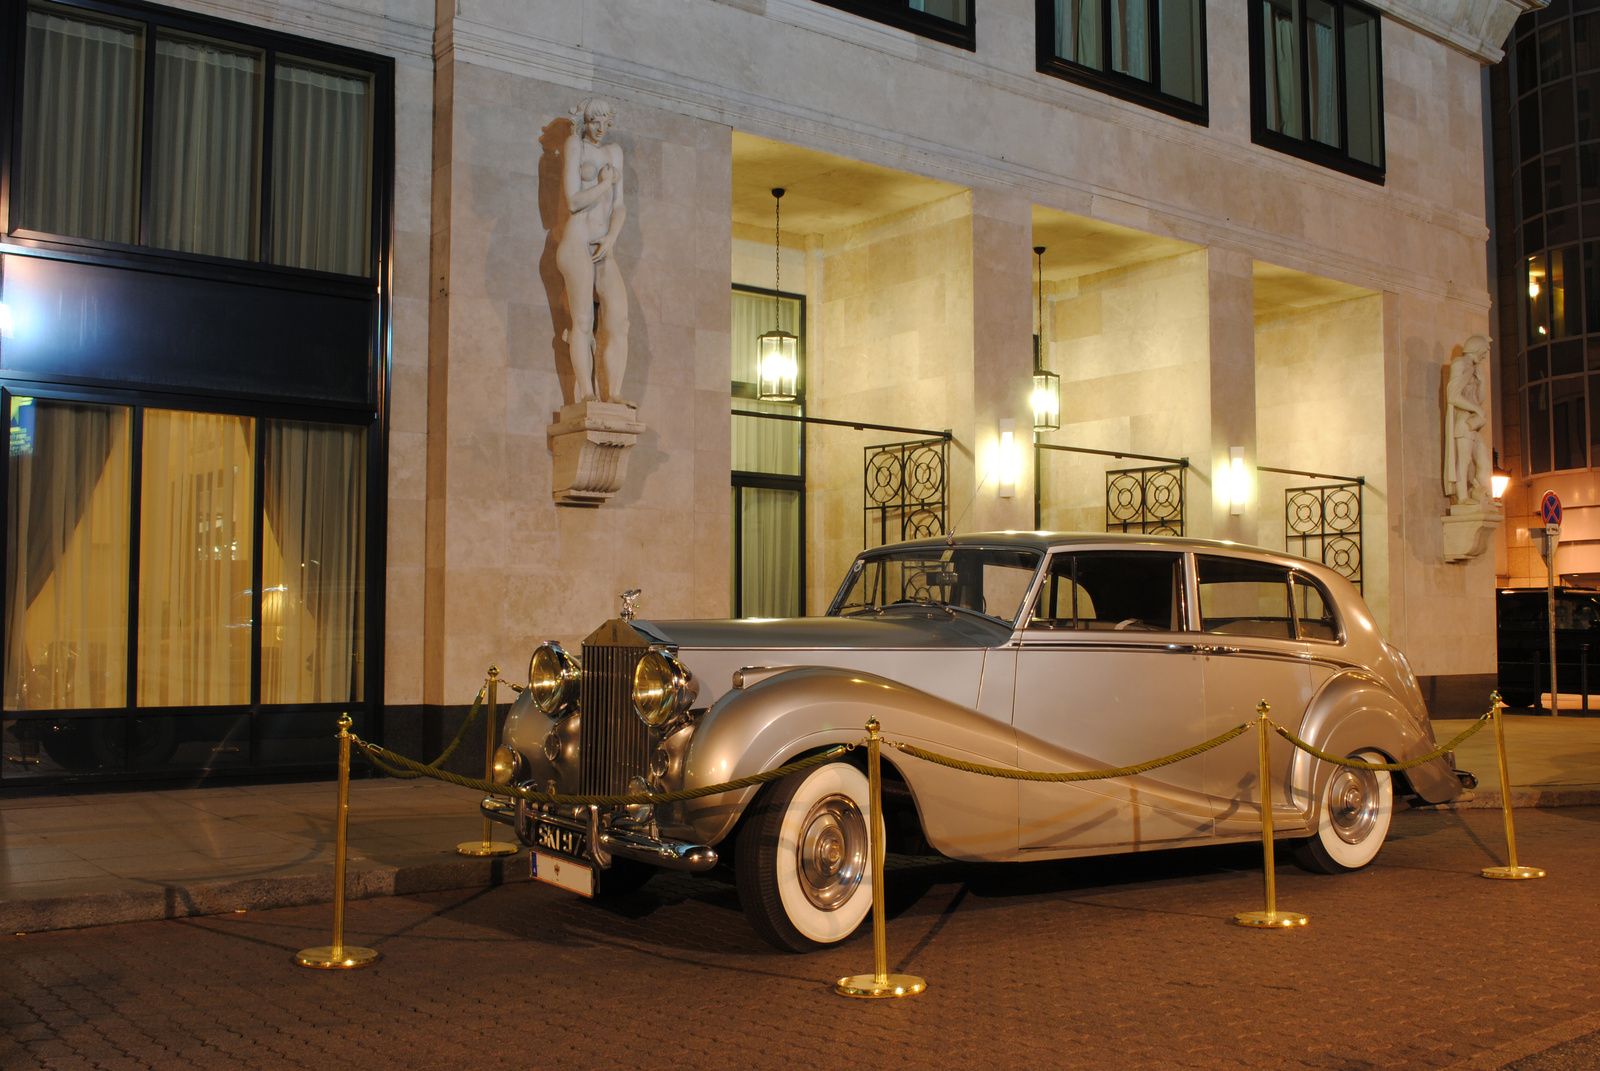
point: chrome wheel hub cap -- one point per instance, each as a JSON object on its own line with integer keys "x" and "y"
{"x": 1353, "y": 804}
{"x": 832, "y": 852}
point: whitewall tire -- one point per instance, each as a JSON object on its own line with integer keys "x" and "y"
{"x": 804, "y": 858}
{"x": 1353, "y": 816}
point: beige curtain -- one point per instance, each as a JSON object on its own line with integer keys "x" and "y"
{"x": 771, "y": 446}
{"x": 67, "y": 574}
{"x": 313, "y": 564}
{"x": 79, "y": 167}
{"x": 321, "y": 168}
{"x": 194, "y": 559}
{"x": 770, "y": 573}
{"x": 206, "y": 147}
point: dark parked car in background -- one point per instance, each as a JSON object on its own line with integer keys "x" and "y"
{"x": 1524, "y": 629}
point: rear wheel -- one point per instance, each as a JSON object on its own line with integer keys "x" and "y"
{"x": 803, "y": 859}
{"x": 1352, "y": 819}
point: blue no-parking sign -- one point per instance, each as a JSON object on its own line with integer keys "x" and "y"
{"x": 1550, "y": 507}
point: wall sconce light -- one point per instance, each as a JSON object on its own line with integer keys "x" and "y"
{"x": 1007, "y": 462}
{"x": 777, "y": 353}
{"x": 1499, "y": 478}
{"x": 5, "y": 320}
{"x": 1238, "y": 483}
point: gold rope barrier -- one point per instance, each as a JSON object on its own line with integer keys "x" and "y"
{"x": 1512, "y": 871}
{"x": 336, "y": 956}
{"x": 489, "y": 846}
{"x": 880, "y": 983}
{"x": 1270, "y": 917}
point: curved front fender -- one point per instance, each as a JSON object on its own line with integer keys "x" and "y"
{"x": 805, "y": 709}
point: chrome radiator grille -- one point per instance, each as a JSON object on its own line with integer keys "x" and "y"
{"x": 614, "y": 744}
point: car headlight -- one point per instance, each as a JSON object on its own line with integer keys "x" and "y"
{"x": 507, "y": 765}
{"x": 553, "y": 679}
{"x": 663, "y": 688}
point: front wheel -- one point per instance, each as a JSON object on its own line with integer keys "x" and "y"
{"x": 1352, "y": 819}
{"x": 803, "y": 862}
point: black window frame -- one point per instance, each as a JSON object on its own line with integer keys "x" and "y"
{"x": 1124, "y": 86}
{"x": 1309, "y": 149}
{"x": 899, "y": 14}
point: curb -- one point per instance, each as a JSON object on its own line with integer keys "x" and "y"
{"x": 176, "y": 900}
{"x": 1575, "y": 796}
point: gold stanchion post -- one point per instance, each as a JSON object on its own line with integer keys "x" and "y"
{"x": 336, "y": 956}
{"x": 489, "y": 846}
{"x": 880, "y": 983}
{"x": 1271, "y": 918}
{"x": 1512, "y": 872}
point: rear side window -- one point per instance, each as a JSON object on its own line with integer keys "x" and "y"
{"x": 1313, "y": 611}
{"x": 1244, "y": 598}
{"x": 1111, "y": 591}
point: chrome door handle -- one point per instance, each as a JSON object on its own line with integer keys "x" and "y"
{"x": 1202, "y": 648}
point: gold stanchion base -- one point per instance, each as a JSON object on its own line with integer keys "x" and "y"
{"x": 324, "y": 957}
{"x": 872, "y": 986}
{"x": 1272, "y": 920}
{"x": 487, "y": 847}
{"x": 1512, "y": 873}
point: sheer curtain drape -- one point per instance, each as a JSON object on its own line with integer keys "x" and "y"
{"x": 195, "y": 549}
{"x": 313, "y": 563}
{"x": 770, "y": 563}
{"x": 1078, "y": 31}
{"x": 771, "y": 446}
{"x": 1322, "y": 67}
{"x": 79, "y": 166}
{"x": 205, "y": 158}
{"x": 321, "y": 168}
{"x": 1130, "y": 38}
{"x": 67, "y": 573}
{"x": 1283, "y": 70}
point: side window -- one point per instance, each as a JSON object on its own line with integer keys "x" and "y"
{"x": 1111, "y": 591}
{"x": 1312, "y": 611}
{"x": 1244, "y": 598}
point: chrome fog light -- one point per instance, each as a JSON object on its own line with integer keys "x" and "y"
{"x": 553, "y": 679}
{"x": 663, "y": 688}
{"x": 640, "y": 812}
{"x": 507, "y": 765}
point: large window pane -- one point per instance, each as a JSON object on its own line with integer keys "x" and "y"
{"x": 321, "y": 168}
{"x": 67, "y": 546}
{"x": 1538, "y": 425}
{"x": 1078, "y": 32}
{"x": 1281, "y": 43}
{"x": 81, "y": 94}
{"x": 1130, "y": 38}
{"x": 1362, "y": 92}
{"x": 1322, "y": 72}
{"x": 1182, "y": 49}
{"x": 1566, "y": 307}
{"x": 1538, "y": 307}
{"x": 953, "y": 10}
{"x": 313, "y": 561}
{"x": 769, "y": 552}
{"x": 206, "y": 147}
{"x": 1569, "y": 423}
{"x": 769, "y": 446}
{"x": 195, "y": 552}
{"x": 1244, "y": 598}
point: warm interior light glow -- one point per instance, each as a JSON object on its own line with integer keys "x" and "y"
{"x": 1238, "y": 482}
{"x": 1046, "y": 400}
{"x": 1533, "y": 289}
{"x": 778, "y": 365}
{"x": 1498, "y": 482}
{"x": 1007, "y": 461}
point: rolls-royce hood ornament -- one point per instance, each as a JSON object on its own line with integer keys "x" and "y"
{"x": 630, "y": 602}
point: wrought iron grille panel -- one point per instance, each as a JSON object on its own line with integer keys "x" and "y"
{"x": 1323, "y": 523}
{"x": 905, "y": 491}
{"x": 614, "y": 744}
{"x": 1148, "y": 501}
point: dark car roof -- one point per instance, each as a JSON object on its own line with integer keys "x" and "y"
{"x": 1046, "y": 540}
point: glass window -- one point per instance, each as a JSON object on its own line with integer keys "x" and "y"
{"x": 1569, "y": 423}
{"x": 1554, "y": 54}
{"x": 1182, "y": 45}
{"x": 1556, "y": 105}
{"x": 988, "y": 581}
{"x": 82, "y": 85}
{"x": 766, "y": 446}
{"x": 1243, "y": 598}
{"x": 1151, "y": 51}
{"x": 1313, "y": 610}
{"x": 195, "y": 527}
{"x": 1078, "y": 32}
{"x": 1319, "y": 87}
{"x": 1538, "y": 426}
{"x": 206, "y": 145}
{"x": 949, "y": 21}
{"x": 1566, "y": 305}
{"x": 1538, "y": 307}
{"x": 767, "y": 547}
{"x": 1130, "y": 38}
{"x": 67, "y": 570}
{"x": 1111, "y": 591}
{"x": 1560, "y": 179}
{"x": 1588, "y": 100}
{"x": 321, "y": 167}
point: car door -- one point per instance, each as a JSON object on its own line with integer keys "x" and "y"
{"x": 1107, "y": 677}
{"x": 1252, "y": 652}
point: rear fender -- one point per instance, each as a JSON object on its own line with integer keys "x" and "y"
{"x": 806, "y": 709}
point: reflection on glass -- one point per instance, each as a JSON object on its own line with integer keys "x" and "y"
{"x": 1566, "y": 309}
{"x": 67, "y": 565}
{"x": 1322, "y": 72}
{"x": 1538, "y": 300}
{"x": 196, "y": 742}
{"x": 1182, "y": 49}
{"x": 1078, "y": 32}
{"x": 1130, "y": 38}
{"x": 321, "y": 167}
{"x": 313, "y": 560}
{"x": 1281, "y": 38}
{"x": 1363, "y": 107}
{"x": 1568, "y": 423}
{"x": 194, "y": 559}
{"x": 53, "y": 747}
{"x": 1538, "y": 426}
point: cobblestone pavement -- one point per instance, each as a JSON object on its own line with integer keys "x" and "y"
{"x": 1127, "y": 962}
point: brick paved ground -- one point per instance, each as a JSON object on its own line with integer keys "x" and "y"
{"x": 1119, "y": 963}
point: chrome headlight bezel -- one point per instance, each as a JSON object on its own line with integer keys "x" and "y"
{"x": 663, "y": 688}
{"x": 554, "y": 684}
{"x": 507, "y": 767}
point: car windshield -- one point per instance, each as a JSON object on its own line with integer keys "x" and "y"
{"x": 984, "y": 580}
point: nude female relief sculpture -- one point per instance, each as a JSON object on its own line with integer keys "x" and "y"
{"x": 597, "y": 301}
{"x": 1470, "y": 522}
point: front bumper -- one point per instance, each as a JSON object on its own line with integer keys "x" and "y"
{"x": 605, "y": 842}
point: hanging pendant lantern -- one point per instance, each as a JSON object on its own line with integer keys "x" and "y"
{"x": 777, "y": 351}
{"x": 1046, "y": 384}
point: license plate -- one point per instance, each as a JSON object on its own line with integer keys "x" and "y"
{"x": 555, "y": 839}
{"x": 563, "y": 873}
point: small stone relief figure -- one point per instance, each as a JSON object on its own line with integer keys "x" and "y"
{"x": 591, "y": 191}
{"x": 1467, "y": 466}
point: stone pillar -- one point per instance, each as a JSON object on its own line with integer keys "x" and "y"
{"x": 1231, "y": 299}
{"x": 1002, "y": 358}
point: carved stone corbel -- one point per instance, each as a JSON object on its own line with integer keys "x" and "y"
{"x": 590, "y": 443}
{"x": 1469, "y": 529}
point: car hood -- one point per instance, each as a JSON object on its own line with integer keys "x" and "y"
{"x": 896, "y": 630}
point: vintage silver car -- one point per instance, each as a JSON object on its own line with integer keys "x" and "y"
{"x": 1019, "y": 650}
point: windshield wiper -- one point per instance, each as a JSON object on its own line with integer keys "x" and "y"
{"x": 851, "y": 609}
